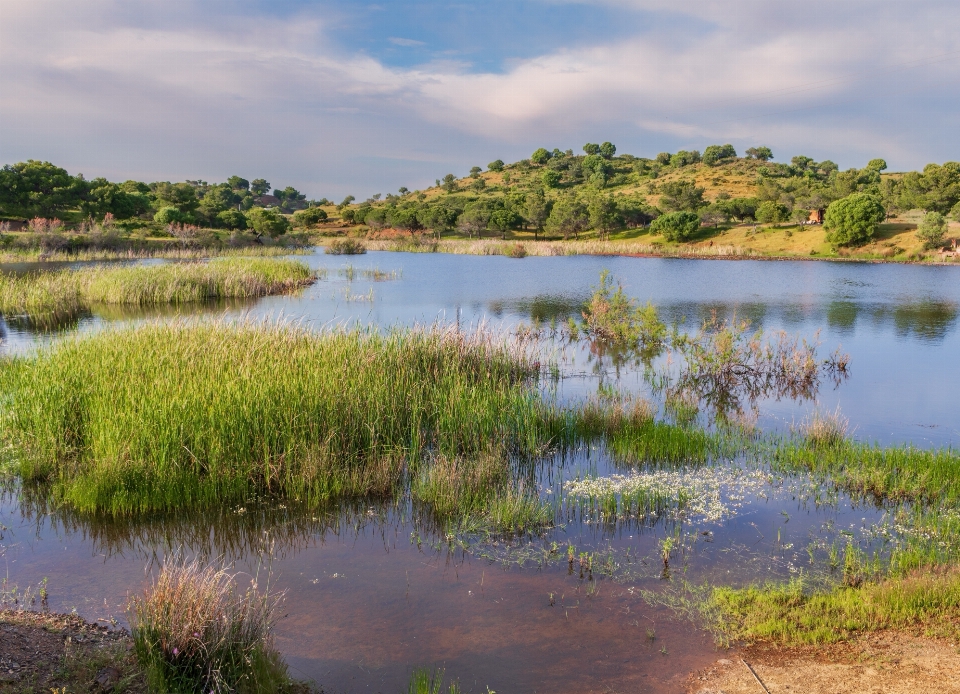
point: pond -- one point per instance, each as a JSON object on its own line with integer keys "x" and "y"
{"x": 373, "y": 590}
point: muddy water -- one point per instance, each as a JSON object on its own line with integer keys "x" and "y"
{"x": 373, "y": 592}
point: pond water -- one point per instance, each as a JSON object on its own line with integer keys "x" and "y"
{"x": 374, "y": 591}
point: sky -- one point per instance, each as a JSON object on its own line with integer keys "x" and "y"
{"x": 337, "y": 98}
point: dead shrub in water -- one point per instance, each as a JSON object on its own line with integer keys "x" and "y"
{"x": 194, "y": 631}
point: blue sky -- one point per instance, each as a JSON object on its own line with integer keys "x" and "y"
{"x": 348, "y": 97}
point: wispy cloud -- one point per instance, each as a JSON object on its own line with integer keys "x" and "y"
{"x": 396, "y": 41}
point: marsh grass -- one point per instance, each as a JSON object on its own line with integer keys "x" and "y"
{"x": 195, "y": 630}
{"x": 180, "y": 415}
{"x": 926, "y": 601}
{"x": 886, "y": 474}
{"x": 50, "y": 297}
{"x": 425, "y": 681}
{"x": 157, "y": 251}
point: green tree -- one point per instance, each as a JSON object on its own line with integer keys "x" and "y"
{"x": 503, "y": 220}
{"x": 853, "y": 220}
{"x": 309, "y": 217}
{"x": 740, "y": 209}
{"x": 591, "y": 148}
{"x": 496, "y": 165}
{"x": 877, "y": 165}
{"x": 604, "y": 215}
{"x": 238, "y": 183}
{"x": 681, "y": 195}
{"x": 475, "y": 172}
{"x": 438, "y": 218}
{"x": 474, "y": 219}
{"x": 345, "y": 202}
{"x": 550, "y": 178}
{"x": 536, "y": 210}
{"x": 183, "y": 196}
{"x": 102, "y": 198}
{"x": 607, "y": 150}
{"x": 932, "y": 230}
{"x": 664, "y": 158}
{"x": 168, "y": 215}
{"x": 449, "y": 183}
{"x": 232, "y": 219}
{"x": 771, "y": 212}
{"x": 568, "y": 217}
{"x": 259, "y": 186}
{"x": 685, "y": 158}
{"x": 676, "y": 226}
{"x": 38, "y": 187}
{"x": 267, "y": 222}
{"x": 760, "y": 153}
{"x": 478, "y": 185}
{"x": 714, "y": 154}
{"x": 541, "y": 156}
{"x": 955, "y": 212}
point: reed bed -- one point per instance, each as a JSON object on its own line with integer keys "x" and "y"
{"x": 194, "y": 630}
{"x": 146, "y": 253}
{"x": 51, "y": 297}
{"x": 180, "y": 415}
{"x": 554, "y": 248}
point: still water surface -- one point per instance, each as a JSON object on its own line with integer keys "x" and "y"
{"x": 373, "y": 592}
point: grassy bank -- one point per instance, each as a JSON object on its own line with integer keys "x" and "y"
{"x": 46, "y": 298}
{"x": 895, "y": 243}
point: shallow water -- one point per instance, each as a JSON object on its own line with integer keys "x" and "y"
{"x": 373, "y": 591}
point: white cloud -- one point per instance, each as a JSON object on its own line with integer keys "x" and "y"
{"x": 90, "y": 83}
{"x": 396, "y": 41}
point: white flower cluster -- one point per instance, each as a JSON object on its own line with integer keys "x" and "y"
{"x": 710, "y": 494}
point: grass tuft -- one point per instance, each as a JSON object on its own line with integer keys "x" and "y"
{"x": 195, "y": 631}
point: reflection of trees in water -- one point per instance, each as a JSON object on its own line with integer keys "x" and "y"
{"x": 541, "y": 309}
{"x": 927, "y": 320}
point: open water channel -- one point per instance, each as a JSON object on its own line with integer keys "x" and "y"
{"x": 372, "y": 592}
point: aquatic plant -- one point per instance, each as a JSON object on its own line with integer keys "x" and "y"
{"x": 425, "y": 681}
{"x": 611, "y": 316}
{"x": 194, "y": 630}
{"x": 345, "y": 247}
{"x": 50, "y": 297}
{"x": 709, "y": 494}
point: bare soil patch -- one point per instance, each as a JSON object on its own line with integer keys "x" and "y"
{"x": 40, "y": 652}
{"x": 880, "y": 663}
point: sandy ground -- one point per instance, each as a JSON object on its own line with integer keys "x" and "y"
{"x": 885, "y": 663}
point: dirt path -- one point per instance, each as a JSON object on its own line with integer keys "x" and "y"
{"x": 885, "y": 663}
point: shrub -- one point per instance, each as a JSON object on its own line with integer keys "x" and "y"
{"x": 168, "y": 215}
{"x": 770, "y": 212}
{"x": 854, "y": 219}
{"x": 676, "y": 226}
{"x": 308, "y": 217}
{"x": 193, "y": 631}
{"x": 346, "y": 247}
{"x": 932, "y": 230}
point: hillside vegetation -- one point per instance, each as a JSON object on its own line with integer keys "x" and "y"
{"x": 710, "y": 203}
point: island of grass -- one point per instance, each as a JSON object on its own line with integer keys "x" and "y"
{"x": 49, "y": 298}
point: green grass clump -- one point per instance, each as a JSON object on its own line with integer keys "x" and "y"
{"x": 48, "y": 298}
{"x": 195, "y": 631}
{"x": 179, "y": 415}
{"x": 927, "y": 601}
{"x": 346, "y": 247}
{"x": 896, "y": 473}
{"x": 424, "y": 681}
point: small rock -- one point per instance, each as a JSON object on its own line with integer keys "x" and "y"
{"x": 107, "y": 679}
{"x": 724, "y": 661}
